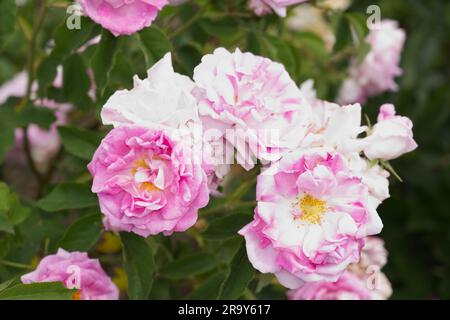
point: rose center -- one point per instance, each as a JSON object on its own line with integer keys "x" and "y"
{"x": 312, "y": 209}
{"x": 141, "y": 165}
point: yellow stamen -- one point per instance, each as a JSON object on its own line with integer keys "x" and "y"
{"x": 138, "y": 164}
{"x": 312, "y": 209}
{"x": 149, "y": 186}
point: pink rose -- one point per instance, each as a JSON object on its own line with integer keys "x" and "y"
{"x": 361, "y": 281}
{"x": 311, "y": 218}
{"x": 252, "y": 102}
{"x": 374, "y": 253}
{"x": 147, "y": 182}
{"x": 391, "y": 136}
{"x": 263, "y": 7}
{"x": 376, "y": 74}
{"x": 164, "y": 101}
{"x": 350, "y": 286}
{"x": 75, "y": 270}
{"x": 123, "y": 17}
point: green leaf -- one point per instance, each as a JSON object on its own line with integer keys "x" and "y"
{"x": 5, "y": 194}
{"x": 239, "y": 276}
{"x": 40, "y": 116}
{"x": 226, "y": 227}
{"x": 18, "y": 212}
{"x": 76, "y": 82}
{"x": 68, "y": 196}
{"x": 103, "y": 60}
{"x": 82, "y": 234}
{"x": 209, "y": 289}
{"x": 189, "y": 57}
{"x": 358, "y": 23}
{"x": 225, "y": 29}
{"x": 188, "y": 266}
{"x": 80, "y": 142}
{"x": 37, "y": 291}
{"x": 7, "y": 128}
{"x": 8, "y": 15}
{"x": 9, "y": 283}
{"x": 67, "y": 40}
{"x": 139, "y": 265}
{"x": 154, "y": 44}
{"x": 5, "y": 224}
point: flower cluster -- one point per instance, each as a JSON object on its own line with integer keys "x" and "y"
{"x": 320, "y": 182}
{"x": 317, "y": 204}
{"x": 376, "y": 74}
{"x": 361, "y": 281}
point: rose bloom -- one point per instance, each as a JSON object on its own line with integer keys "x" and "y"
{"x": 391, "y": 136}
{"x": 147, "y": 182}
{"x": 358, "y": 282}
{"x": 164, "y": 101}
{"x": 338, "y": 127}
{"x": 350, "y": 286}
{"x": 123, "y": 17}
{"x": 376, "y": 74}
{"x": 311, "y": 218}
{"x": 332, "y": 126}
{"x": 374, "y": 253}
{"x": 253, "y": 102}
{"x": 263, "y": 7}
{"x": 65, "y": 267}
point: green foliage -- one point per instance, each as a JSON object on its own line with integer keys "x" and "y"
{"x": 82, "y": 234}
{"x": 80, "y": 142}
{"x": 139, "y": 265}
{"x": 239, "y": 276}
{"x": 68, "y": 196}
{"x": 37, "y": 291}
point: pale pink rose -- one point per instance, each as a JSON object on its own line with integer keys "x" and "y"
{"x": 76, "y": 271}
{"x": 263, "y": 7}
{"x": 331, "y": 125}
{"x": 377, "y": 73}
{"x": 163, "y": 100}
{"x": 311, "y": 218}
{"x": 390, "y": 137}
{"x": 372, "y": 175}
{"x": 350, "y": 286}
{"x": 361, "y": 281}
{"x": 253, "y": 102}
{"x": 338, "y": 127}
{"x": 374, "y": 253}
{"x": 147, "y": 182}
{"x": 123, "y": 17}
